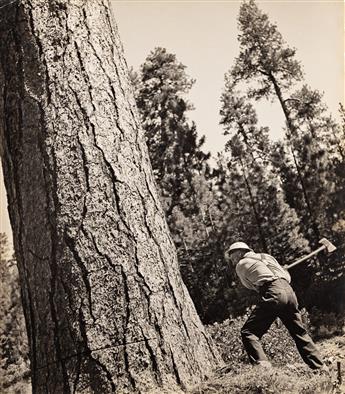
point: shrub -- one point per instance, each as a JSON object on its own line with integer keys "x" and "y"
{"x": 277, "y": 343}
{"x": 326, "y": 324}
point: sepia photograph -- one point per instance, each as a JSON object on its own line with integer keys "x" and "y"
{"x": 172, "y": 197}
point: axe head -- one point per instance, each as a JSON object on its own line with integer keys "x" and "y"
{"x": 329, "y": 246}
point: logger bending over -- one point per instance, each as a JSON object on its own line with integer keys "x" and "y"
{"x": 262, "y": 273}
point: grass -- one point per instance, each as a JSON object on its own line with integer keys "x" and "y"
{"x": 289, "y": 375}
{"x": 245, "y": 379}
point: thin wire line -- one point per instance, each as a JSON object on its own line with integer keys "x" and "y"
{"x": 89, "y": 351}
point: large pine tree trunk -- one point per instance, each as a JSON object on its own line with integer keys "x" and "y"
{"x": 105, "y": 306}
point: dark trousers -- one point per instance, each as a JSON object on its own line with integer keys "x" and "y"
{"x": 278, "y": 300}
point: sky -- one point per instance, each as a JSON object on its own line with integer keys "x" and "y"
{"x": 203, "y": 36}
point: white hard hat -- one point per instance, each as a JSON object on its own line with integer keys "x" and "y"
{"x": 238, "y": 245}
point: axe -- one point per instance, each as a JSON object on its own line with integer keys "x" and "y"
{"x": 326, "y": 245}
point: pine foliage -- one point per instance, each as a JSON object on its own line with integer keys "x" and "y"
{"x": 14, "y": 364}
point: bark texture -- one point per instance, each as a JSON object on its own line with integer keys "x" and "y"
{"x": 105, "y": 306}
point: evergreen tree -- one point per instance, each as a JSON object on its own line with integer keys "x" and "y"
{"x": 264, "y": 217}
{"x": 14, "y": 363}
{"x": 276, "y": 224}
{"x": 317, "y": 160}
{"x": 341, "y": 129}
{"x": 201, "y": 250}
{"x": 268, "y": 65}
{"x": 174, "y": 147}
{"x": 337, "y": 210}
{"x": 265, "y": 60}
{"x": 318, "y": 154}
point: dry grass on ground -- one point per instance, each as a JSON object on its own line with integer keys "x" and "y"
{"x": 247, "y": 379}
{"x": 289, "y": 374}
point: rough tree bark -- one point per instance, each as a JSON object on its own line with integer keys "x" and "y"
{"x": 105, "y": 306}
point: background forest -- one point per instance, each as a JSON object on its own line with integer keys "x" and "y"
{"x": 279, "y": 197}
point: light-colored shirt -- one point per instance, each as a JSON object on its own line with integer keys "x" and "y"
{"x": 255, "y": 269}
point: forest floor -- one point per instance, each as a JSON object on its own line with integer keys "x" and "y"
{"x": 238, "y": 377}
{"x": 288, "y": 375}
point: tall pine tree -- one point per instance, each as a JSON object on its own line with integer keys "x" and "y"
{"x": 276, "y": 224}
{"x": 174, "y": 146}
{"x": 269, "y": 69}
{"x": 14, "y": 360}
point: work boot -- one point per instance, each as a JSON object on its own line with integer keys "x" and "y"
{"x": 323, "y": 370}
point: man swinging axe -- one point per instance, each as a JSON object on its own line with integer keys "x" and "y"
{"x": 262, "y": 273}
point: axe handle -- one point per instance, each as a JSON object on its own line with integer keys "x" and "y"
{"x": 306, "y": 257}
